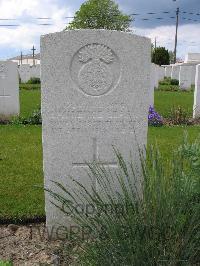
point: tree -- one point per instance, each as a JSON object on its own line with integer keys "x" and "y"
{"x": 100, "y": 14}
{"x": 160, "y": 56}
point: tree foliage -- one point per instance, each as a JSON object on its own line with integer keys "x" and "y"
{"x": 160, "y": 56}
{"x": 100, "y": 14}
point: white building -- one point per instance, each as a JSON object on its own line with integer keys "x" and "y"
{"x": 26, "y": 59}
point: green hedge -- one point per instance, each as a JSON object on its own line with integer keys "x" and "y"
{"x": 26, "y": 86}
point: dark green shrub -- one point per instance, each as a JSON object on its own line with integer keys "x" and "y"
{"x": 34, "y": 119}
{"x": 34, "y": 80}
{"x": 166, "y": 81}
{"x": 174, "y": 82}
{"x": 25, "y": 86}
{"x": 168, "y": 87}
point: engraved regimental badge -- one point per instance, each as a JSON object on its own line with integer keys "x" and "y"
{"x": 2, "y": 71}
{"x": 95, "y": 69}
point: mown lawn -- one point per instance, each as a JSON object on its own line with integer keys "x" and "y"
{"x": 21, "y": 154}
{"x": 20, "y": 170}
{"x": 166, "y": 100}
{"x": 29, "y": 101}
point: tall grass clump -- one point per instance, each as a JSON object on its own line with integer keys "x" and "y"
{"x": 159, "y": 226}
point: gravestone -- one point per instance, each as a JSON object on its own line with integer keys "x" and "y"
{"x": 175, "y": 72}
{"x": 193, "y": 75}
{"x": 26, "y": 72}
{"x": 152, "y": 87}
{"x": 185, "y": 76}
{"x": 156, "y": 76}
{"x": 161, "y": 73}
{"x": 196, "y": 108}
{"x": 95, "y": 95}
{"x": 9, "y": 90}
{"x": 168, "y": 71}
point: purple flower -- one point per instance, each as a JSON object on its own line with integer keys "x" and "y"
{"x": 154, "y": 119}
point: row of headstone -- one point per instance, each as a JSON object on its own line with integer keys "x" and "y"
{"x": 188, "y": 74}
{"x": 9, "y": 90}
{"x": 26, "y": 72}
{"x": 184, "y": 72}
{"x": 157, "y": 74}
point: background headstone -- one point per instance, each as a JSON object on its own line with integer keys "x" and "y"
{"x": 161, "y": 73}
{"x": 168, "y": 71}
{"x": 185, "y": 77}
{"x": 26, "y": 72}
{"x": 152, "y": 87}
{"x": 156, "y": 76}
{"x": 175, "y": 72}
{"x": 9, "y": 89}
{"x": 196, "y": 108}
{"x": 95, "y": 94}
{"x": 193, "y": 75}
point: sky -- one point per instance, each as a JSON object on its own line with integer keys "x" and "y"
{"x": 161, "y": 24}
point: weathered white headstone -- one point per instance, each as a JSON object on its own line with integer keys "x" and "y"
{"x": 193, "y": 75}
{"x": 156, "y": 76}
{"x": 196, "y": 108}
{"x": 152, "y": 87}
{"x": 175, "y": 72}
{"x": 95, "y": 89}
{"x": 26, "y": 72}
{"x": 185, "y": 77}
{"x": 9, "y": 89}
{"x": 168, "y": 71}
{"x": 161, "y": 73}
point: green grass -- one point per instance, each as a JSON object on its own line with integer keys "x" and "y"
{"x": 20, "y": 170}
{"x": 170, "y": 138}
{"x": 29, "y": 101}
{"x": 165, "y": 100}
{"x": 3, "y": 263}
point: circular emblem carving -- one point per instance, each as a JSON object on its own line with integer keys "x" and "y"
{"x": 95, "y": 69}
{"x": 3, "y": 71}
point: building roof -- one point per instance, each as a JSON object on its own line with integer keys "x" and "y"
{"x": 28, "y": 56}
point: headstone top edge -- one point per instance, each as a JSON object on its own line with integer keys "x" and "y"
{"x": 49, "y": 35}
{"x": 7, "y": 62}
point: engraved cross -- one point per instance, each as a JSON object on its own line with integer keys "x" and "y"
{"x": 4, "y": 95}
{"x": 96, "y": 158}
